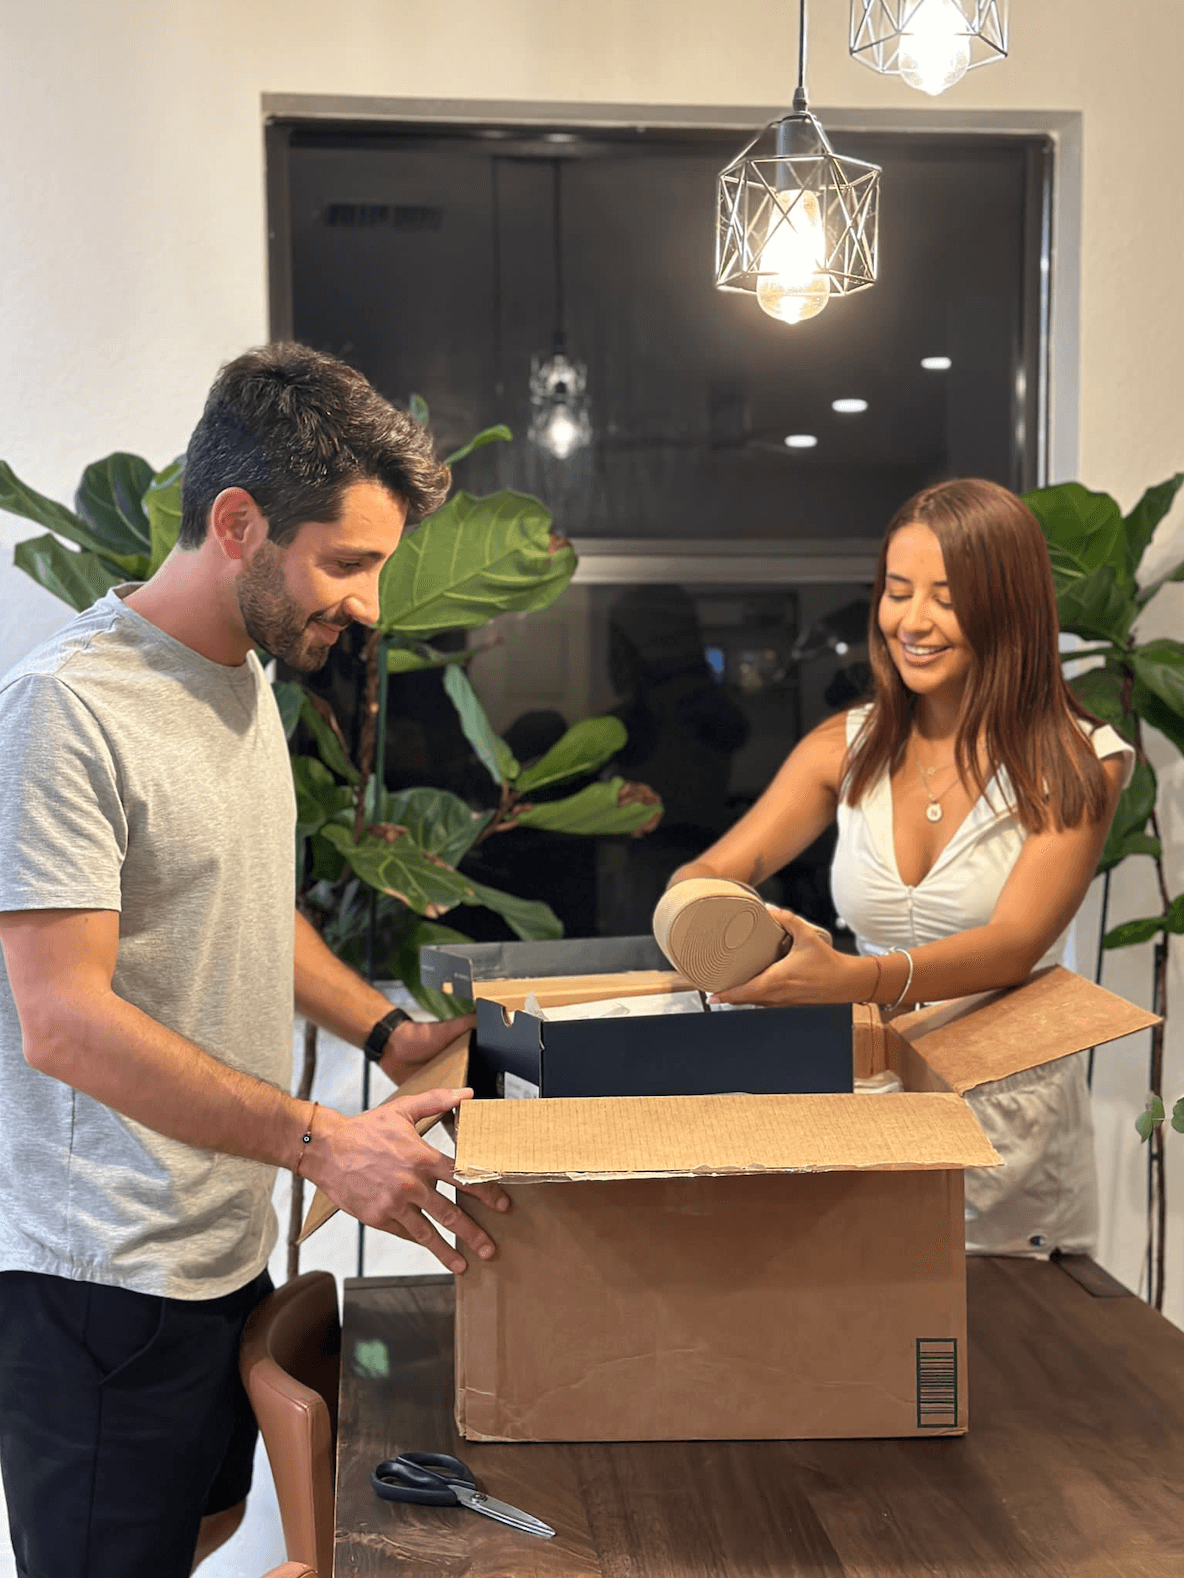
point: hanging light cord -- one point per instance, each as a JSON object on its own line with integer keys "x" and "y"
{"x": 557, "y": 245}
{"x": 799, "y": 98}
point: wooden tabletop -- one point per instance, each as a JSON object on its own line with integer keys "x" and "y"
{"x": 1073, "y": 1465}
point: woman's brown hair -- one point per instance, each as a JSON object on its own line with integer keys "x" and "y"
{"x": 1017, "y": 708}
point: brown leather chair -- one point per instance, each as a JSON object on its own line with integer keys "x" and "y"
{"x": 290, "y": 1361}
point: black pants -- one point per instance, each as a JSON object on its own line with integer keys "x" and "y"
{"x": 122, "y": 1423}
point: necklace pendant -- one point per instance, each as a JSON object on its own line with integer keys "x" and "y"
{"x": 933, "y": 811}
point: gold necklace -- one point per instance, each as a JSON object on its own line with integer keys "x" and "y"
{"x": 933, "y": 811}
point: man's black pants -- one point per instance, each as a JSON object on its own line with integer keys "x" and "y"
{"x": 122, "y": 1424}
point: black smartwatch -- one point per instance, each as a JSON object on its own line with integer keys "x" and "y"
{"x": 375, "y": 1043}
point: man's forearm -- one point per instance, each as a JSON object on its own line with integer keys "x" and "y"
{"x": 112, "y": 1051}
{"x": 331, "y": 994}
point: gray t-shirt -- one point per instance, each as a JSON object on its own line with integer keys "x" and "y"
{"x": 140, "y": 777}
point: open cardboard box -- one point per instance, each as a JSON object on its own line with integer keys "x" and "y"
{"x": 744, "y": 1267}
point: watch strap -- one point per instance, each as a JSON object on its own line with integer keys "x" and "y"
{"x": 375, "y": 1043}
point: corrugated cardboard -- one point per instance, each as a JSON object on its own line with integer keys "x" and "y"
{"x": 448, "y": 1070}
{"x": 715, "y": 1267}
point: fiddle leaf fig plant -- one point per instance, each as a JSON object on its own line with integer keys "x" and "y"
{"x": 1097, "y": 554}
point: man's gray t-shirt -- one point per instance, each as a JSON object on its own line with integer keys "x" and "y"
{"x": 140, "y": 777}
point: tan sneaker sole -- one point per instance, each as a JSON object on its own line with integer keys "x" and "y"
{"x": 717, "y": 932}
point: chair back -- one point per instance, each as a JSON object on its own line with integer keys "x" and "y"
{"x": 290, "y": 1361}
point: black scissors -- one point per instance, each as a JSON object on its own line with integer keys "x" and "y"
{"x": 433, "y": 1479}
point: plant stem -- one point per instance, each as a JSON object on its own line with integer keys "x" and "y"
{"x": 303, "y": 1092}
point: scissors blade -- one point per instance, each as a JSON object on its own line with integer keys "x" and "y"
{"x": 478, "y": 1501}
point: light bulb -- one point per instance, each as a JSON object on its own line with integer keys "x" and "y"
{"x": 561, "y": 434}
{"x": 792, "y": 285}
{"x": 934, "y": 51}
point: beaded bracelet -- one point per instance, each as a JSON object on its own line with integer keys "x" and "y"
{"x": 879, "y": 976}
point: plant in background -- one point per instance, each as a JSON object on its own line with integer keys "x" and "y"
{"x": 376, "y": 870}
{"x": 1096, "y": 553}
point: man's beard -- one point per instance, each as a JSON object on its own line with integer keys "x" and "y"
{"x": 275, "y": 621}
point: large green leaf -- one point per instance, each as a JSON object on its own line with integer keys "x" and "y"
{"x": 1087, "y": 525}
{"x": 585, "y": 747}
{"x": 1098, "y": 604}
{"x": 425, "y": 884}
{"x": 492, "y": 751}
{"x": 76, "y": 576}
{"x": 1159, "y": 665}
{"x": 1143, "y": 930}
{"x": 319, "y": 797}
{"x": 163, "y": 503}
{"x": 596, "y": 809}
{"x": 526, "y": 918}
{"x": 1100, "y": 690}
{"x": 1159, "y": 715}
{"x": 18, "y": 499}
{"x": 490, "y": 435}
{"x": 472, "y": 560}
{"x": 328, "y": 740}
{"x": 1145, "y": 517}
{"x": 424, "y": 934}
{"x": 110, "y": 500}
{"x": 439, "y": 822}
{"x": 1135, "y": 805}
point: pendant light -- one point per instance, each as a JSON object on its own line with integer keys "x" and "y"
{"x": 797, "y": 222}
{"x": 560, "y": 421}
{"x": 930, "y": 44}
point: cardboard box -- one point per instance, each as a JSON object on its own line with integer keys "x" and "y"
{"x": 747, "y": 1266}
{"x": 515, "y": 1052}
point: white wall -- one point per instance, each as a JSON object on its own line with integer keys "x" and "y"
{"x": 132, "y": 248}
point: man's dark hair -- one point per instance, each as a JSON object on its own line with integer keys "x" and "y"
{"x": 295, "y": 427}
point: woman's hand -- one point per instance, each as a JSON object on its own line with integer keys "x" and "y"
{"x": 811, "y": 972}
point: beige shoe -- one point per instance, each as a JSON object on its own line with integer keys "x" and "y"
{"x": 717, "y": 932}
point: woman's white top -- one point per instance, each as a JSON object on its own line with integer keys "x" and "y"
{"x": 1044, "y": 1197}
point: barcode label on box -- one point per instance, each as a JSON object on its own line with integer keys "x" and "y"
{"x": 937, "y": 1383}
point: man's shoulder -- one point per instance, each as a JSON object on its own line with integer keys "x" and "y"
{"x": 57, "y": 652}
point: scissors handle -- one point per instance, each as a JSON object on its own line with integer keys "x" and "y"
{"x": 425, "y": 1478}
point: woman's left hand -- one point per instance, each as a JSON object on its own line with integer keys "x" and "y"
{"x": 811, "y": 972}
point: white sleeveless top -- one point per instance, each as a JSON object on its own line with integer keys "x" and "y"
{"x": 1044, "y": 1197}
{"x": 961, "y": 889}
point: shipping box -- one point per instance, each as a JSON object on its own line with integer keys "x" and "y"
{"x": 716, "y": 1267}
{"x": 747, "y": 1266}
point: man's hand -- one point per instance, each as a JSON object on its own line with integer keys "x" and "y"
{"x": 410, "y": 1045}
{"x": 377, "y": 1168}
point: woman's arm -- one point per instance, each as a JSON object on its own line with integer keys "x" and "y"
{"x": 1039, "y": 899}
{"x": 788, "y": 817}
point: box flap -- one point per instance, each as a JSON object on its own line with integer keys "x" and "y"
{"x": 683, "y": 1136}
{"x": 555, "y": 991}
{"x": 973, "y": 1040}
{"x": 448, "y": 1070}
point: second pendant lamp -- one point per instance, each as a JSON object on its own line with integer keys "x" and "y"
{"x": 797, "y": 223}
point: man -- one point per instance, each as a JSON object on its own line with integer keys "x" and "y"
{"x": 146, "y": 921}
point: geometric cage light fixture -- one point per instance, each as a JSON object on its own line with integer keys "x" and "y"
{"x": 930, "y": 44}
{"x": 797, "y": 223}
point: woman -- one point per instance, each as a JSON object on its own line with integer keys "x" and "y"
{"x": 973, "y": 796}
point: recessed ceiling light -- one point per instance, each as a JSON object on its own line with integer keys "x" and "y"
{"x": 936, "y": 364}
{"x": 848, "y": 407}
{"x": 800, "y": 441}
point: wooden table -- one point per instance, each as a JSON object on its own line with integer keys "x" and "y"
{"x": 1074, "y": 1462}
